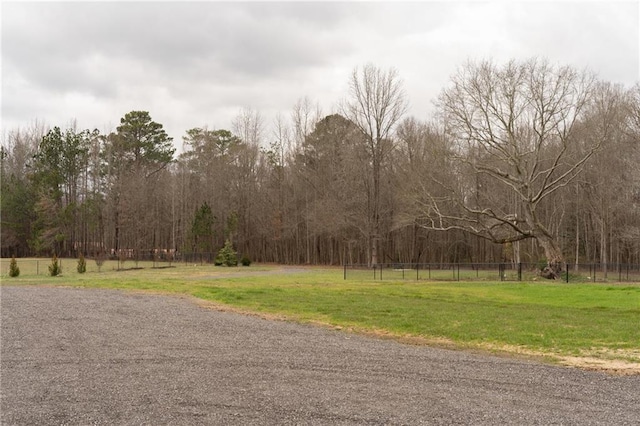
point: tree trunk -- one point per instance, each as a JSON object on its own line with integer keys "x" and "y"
{"x": 604, "y": 255}
{"x": 553, "y": 254}
{"x": 374, "y": 251}
{"x": 577, "y": 243}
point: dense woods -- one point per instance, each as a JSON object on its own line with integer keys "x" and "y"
{"x": 524, "y": 161}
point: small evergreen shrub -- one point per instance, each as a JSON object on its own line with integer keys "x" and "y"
{"x": 55, "y": 268}
{"x": 82, "y": 264}
{"x": 14, "y": 271}
{"x": 226, "y": 256}
{"x": 245, "y": 261}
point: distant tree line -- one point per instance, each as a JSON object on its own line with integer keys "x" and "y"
{"x": 521, "y": 162}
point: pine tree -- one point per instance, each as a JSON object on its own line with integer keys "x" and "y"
{"x": 82, "y": 264}
{"x": 14, "y": 271}
{"x": 202, "y": 229}
{"x": 55, "y": 268}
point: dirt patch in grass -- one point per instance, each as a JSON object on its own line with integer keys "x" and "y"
{"x": 611, "y": 366}
{"x": 615, "y": 361}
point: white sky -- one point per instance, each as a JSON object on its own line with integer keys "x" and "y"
{"x": 197, "y": 64}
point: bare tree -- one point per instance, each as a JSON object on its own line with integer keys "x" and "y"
{"x": 513, "y": 133}
{"x": 377, "y": 103}
{"x": 304, "y": 116}
{"x": 632, "y": 131}
{"x": 421, "y": 155}
{"x": 609, "y": 196}
{"x": 248, "y": 125}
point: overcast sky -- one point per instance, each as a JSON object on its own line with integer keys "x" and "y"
{"x": 197, "y": 64}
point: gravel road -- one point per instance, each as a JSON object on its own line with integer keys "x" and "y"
{"x": 82, "y": 357}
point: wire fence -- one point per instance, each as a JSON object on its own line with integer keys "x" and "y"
{"x": 35, "y": 266}
{"x": 125, "y": 260}
{"x": 584, "y": 272}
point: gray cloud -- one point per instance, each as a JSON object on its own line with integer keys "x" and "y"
{"x": 214, "y": 40}
{"x": 603, "y": 36}
{"x": 195, "y": 64}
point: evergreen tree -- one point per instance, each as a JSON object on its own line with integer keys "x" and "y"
{"x": 134, "y": 158}
{"x": 58, "y": 166}
{"x": 227, "y": 255}
{"x": 82, "y": 264}
{"x": 55, "y": 268}
{"x": 202, "y": 229}
{"x": 14, "y": 271}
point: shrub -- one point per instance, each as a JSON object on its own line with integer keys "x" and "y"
{"x": 82, "y": 264}
{"x": 55, "y": 268}
{"x": 245, "y": 261}
{"x": 100, "y": 258}
{"x": 122, "y": 258}
{"x": 226, "y": 256}
{"x": 14, "y": 271}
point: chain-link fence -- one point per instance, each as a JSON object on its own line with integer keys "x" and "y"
{"x": 587, "y": 272}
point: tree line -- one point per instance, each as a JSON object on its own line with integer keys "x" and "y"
{"x": 525, "y": 161}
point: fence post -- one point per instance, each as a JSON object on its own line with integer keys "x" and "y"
{"x": 417, "y": 271}
{"x": 381, "y": 271}
{"x": 519, "y": 271}
{"x": 345, "y": 271}
{"x": 566, "y": 267}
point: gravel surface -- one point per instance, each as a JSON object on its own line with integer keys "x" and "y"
{"x": 82, "y": 357}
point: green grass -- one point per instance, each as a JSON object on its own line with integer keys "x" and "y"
{"x": 557, "y": 319}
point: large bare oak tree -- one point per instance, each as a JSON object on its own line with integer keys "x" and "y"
{"x": 513, "y": 130}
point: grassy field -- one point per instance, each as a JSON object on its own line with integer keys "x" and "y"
{"x": 600, "y": 321}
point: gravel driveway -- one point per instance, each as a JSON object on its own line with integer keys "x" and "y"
{"x": 73, "y": 356}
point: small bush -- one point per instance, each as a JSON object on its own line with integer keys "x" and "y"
{"x": 226, "y": 256}
{"x": 100, "y": 258}
{"x": 82, "y": 264}
{"x": 14, "y": 271}
{"x": 55, "y": 268}
{"x": 122, "y": 258}
{"x": 245, "y": 261}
